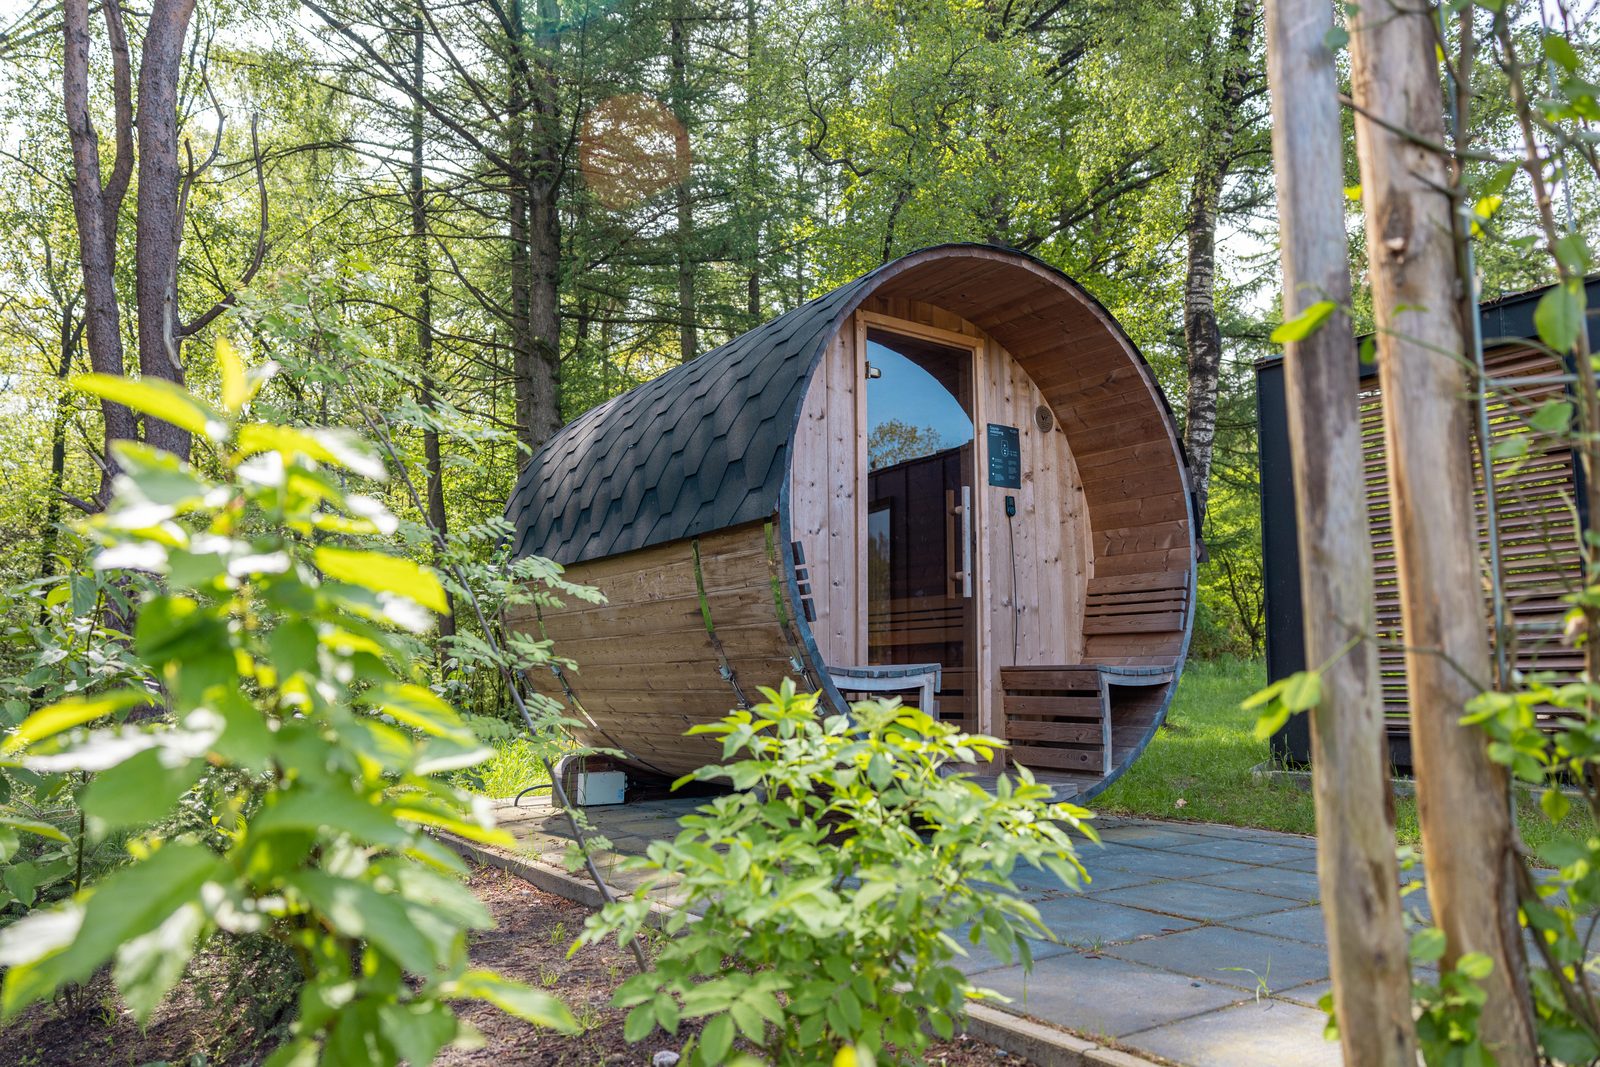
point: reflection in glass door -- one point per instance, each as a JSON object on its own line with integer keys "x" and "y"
{"x": 920, "y": 462}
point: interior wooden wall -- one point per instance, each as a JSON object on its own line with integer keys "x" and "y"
{"x": 1053, "y": 540}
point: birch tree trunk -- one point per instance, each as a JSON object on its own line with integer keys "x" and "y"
{"x": 1356, "y": 867}
{"x": 1462, "y": 797}
{"x": 1202, "y": 336}
{"x": 683, "y": 192}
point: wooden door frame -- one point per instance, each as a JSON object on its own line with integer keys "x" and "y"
{"x": 983, "y": 684}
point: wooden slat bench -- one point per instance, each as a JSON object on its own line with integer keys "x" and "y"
{"x": 1059, "y": 717}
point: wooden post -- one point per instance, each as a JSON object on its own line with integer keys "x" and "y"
{"x": 1462, "y": 797}
{"x": 1356, "y": 867}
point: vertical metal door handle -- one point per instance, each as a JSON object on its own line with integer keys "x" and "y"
{"x": 966, "y": 542}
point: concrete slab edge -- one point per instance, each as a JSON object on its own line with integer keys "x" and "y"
{"x": 1045, "y": 1045}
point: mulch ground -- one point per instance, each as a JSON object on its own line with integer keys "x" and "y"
{"x": 530, "y": 944}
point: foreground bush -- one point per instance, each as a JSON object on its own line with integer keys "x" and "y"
{"x": 287, "y": 754}
{"x": 831, "y": 883}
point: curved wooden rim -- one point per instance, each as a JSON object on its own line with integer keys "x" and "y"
{"x": 1071, "y": 291}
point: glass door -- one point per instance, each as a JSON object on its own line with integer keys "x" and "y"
{"x": 920, "y": 527}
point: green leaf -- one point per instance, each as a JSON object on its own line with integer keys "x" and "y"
{"x": 1336, "y": 38}
{"x": 357, "y": 910}
{"x": 1475, "y": 965}
{"x": 152, "y": 396}
{"x": 336, "y": 447}
{"x": 1559, "y": 316}
{"x": 1553, "y": 416}
{"x": 1427, "y": 945}
{"x": 22, "y": 879}
{"x": 383, "y": 573}
{"x": 1303, "y": 691}
{"x": 150, "y": 965}
{"x": 331, "y": 810}
{"x": 418, "y": 1030}
{"x": 138, "y": 791}
{"x": 126, "y": 905}
{"x": 1560, "y": 52}
{"x": 47, "y": 722}
{"x": 640, "y": 1023}
{"x": 32, "y": 826}
{"x": 1304, "y": 324}
{"x": 1554, "y": 804}
{"x": 514, "y": 998}
{"x": 235, "y": 387}
{"x": 716, "y": 1039}
{"x": 421, "y": 709}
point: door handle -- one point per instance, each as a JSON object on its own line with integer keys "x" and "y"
{"x": 966, "y": 542}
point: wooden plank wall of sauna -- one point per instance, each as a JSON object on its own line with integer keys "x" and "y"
{"x": 1537, "y": 541}
{"x": 828, "y": 457}
{"x": 647, "y": 670}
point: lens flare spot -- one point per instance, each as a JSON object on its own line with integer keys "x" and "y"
{"x": 632, "y": 147}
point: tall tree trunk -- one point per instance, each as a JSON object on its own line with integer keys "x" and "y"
{"x": 688, "y": 334}
{"x": 1356, "y": 868}
{"x": 1202, "y": 336}
{"x": 752, "y": 165}
{"x": 158, "y": 227}
{"x": 70, "y": 332}
{"x": 1462, "y": 797}
{"x": 536, "y": 226}
{"x": 422, "y": 278}
{"x": 96, "y": 205}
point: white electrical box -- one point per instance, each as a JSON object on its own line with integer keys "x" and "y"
{"x": 600, "y": 788}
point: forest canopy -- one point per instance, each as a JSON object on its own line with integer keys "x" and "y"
{"x": 481, "y": 219}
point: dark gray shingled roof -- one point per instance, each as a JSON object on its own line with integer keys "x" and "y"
{"x": 698, "y": 449}
{"x": 702, "y": 447}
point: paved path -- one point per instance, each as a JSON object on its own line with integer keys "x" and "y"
{"x": 1195, "y": 943}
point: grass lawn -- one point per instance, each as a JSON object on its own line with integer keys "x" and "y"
{"x": 1198, "y": 764}
{"x": 1203, "y": 755}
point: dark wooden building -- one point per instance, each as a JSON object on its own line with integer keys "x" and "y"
{"x": 954, "y": 479}
{"x": 1538, "y": 515}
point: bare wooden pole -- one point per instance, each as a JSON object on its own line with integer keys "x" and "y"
{"x": 1462, "y": 797}
{"x": 1356, "y": 867}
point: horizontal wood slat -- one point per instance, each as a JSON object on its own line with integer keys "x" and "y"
{"x": 1538, "y": 546}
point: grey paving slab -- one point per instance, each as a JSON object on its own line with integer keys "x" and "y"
{"x": 1232, "y": 957}
{"x": 980, "y": 959}
{"x": 1212, "y": 829}
{"x": 1309, "y": 994}
{"x": 1309, "y": 863}
{"x": 1247, "y": 851}
{"x": 1195, "y": 900}
{"x": 1268, "y": 1033}
{"x": 1278, "y": 881}
{"x": 1299, "y": 924}
{"x": 1158, "y": 862}
{"x": 1102, "y": 997}
{"x": 1093, "y": 923}
{"x": 1147, "y": 835}
{"x": 1107, "y": 878}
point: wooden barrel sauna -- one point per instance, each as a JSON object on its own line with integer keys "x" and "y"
{"x": 953, "y": 479}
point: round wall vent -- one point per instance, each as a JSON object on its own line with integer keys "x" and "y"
{"x": 1044, "y": 418}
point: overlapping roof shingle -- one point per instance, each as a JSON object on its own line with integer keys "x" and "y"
{"x": 702, "y": 447}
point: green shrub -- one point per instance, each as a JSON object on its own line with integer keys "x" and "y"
{"x": 831, "y": 882}
{"x": 289, "y": 757}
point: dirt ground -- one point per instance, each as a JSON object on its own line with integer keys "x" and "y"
{"x": 530, "y": 944}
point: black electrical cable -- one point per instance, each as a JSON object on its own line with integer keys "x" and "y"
{"x": 1016, "y": 605}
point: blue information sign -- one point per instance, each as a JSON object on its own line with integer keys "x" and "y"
{"x": 1005, "y": 457}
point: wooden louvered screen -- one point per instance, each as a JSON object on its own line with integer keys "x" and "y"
{"x": 1538, "y": 543}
